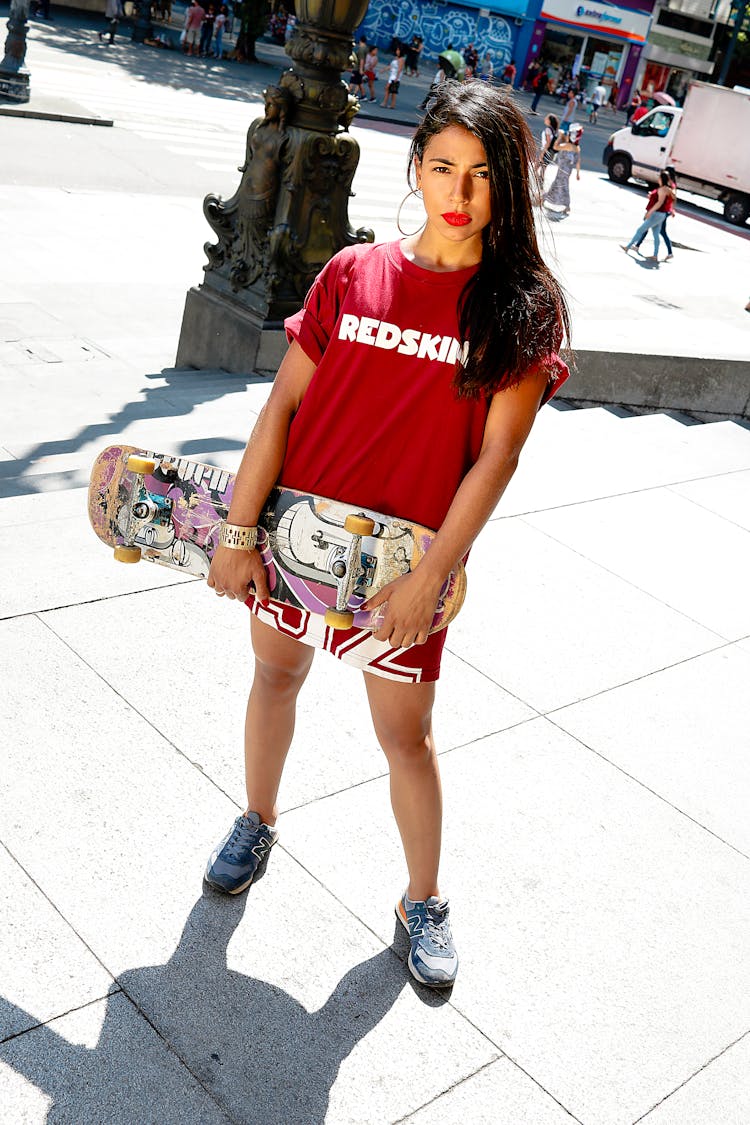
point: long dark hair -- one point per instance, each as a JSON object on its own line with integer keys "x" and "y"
{"x": 512, "y": 311}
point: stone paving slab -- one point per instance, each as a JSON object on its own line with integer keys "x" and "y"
{"x": 53, "y": 971}
{"x": 129, "y": 799}
{"x": 593, "y": 460}
{"x": 278, "y": 1005}
{"x": 610, "y": 918}
{"x": 682, "y": 733}
{"x": 501, "y": 1094}
{"x": 727, "y": 496}
{"x": 100, "y": 1064}
{"x": 666, "y": 546}
{"x": 720, "y": 1093}
{"x": 334, "y": 745}
{"x": 61, "y": 552}
{"x": 563, "y": 627}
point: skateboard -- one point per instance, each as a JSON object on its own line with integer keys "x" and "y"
{"x": 320, "y": 555}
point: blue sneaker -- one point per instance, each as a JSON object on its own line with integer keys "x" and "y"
{"x": 235, "y": 861}
{"x": 433, "y": 959}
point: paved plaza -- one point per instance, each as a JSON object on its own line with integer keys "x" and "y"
{"x": 592, "y": 715}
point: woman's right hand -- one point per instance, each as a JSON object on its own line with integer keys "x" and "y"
{"x": 237, "y": 574}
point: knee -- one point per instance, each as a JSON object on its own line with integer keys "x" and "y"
{"x": 414, "y": 751}
{"x": 283, "y": 678}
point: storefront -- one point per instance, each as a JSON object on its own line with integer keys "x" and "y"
{"x": 598, "y": 42}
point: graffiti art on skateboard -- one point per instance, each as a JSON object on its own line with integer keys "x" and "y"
{"x": 321, "y": 556}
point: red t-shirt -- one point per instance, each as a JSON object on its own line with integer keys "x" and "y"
{"x": 380, "y": 424}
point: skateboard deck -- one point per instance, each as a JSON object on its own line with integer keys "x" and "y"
{"x": 321, "y": 556}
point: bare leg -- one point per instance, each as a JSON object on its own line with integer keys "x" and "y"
{"x": 281, "y": 667}
{"x": 402, "y": 717}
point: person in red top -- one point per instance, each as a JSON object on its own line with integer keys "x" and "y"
{"x": 193, "y": 22}
{"x": 414, "y": 374}
{"x": 666, "y": 208}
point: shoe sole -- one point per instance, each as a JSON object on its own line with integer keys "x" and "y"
{"x": 415, "y": 972}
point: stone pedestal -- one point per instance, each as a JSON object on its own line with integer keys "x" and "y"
{"x": 15, "y": 81}
{"x": 288, "y": 216}
{"x": 220, "y": 334}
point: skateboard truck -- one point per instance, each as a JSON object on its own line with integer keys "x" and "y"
{"x": 347, "y": 569}
{"x": 141, "y": 467}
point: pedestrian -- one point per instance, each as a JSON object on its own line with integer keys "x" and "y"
{"x": 635, "y": 103}
{"x": 371, "y": 69}
{"x": 113, "y": 13}
{"x": 291, "y": 23}
{"x": 540, "y": 88}
{"x": 598, "y": 99}
{"x": 473, "y": 272}
{"x": 220, "y": 27}
{"x": 436, "y": 82}
{"x": 547, "y": 142}
{"x": 395, "y": 68}
{"x": 413, "y": 51}
{"x": 508, "y": 76}
{"x": 356, "y": 78}
{"x": 486, "y": 69}
{"x": 207, "y": 31}
{"x": 531, "y": 74}
{"x": 660, "y": 205}
{"x": 569, "y": 111}
{"x": 568, "y": 149}
{"x": 471, "y": 59}
{"x": 193, "y": 21}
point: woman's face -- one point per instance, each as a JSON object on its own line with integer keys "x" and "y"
{"x": 455, "y": 183}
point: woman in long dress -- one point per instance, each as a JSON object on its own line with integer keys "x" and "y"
{"x": 568, "y": 157}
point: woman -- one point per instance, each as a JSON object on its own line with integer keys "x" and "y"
{"x": 666, "y": 179}
{"x": 657, "y": 208}
{"x": 471, "y": 286}
{"x": 547, "y": 141}
{"x": 395, "y": 69}
{"x": 568, "y": 151}
{"x": 371, "y": 66}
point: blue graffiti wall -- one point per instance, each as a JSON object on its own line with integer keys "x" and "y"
{"x": 439, "y": 25}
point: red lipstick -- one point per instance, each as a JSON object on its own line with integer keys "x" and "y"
{"x": 456, "y": 218}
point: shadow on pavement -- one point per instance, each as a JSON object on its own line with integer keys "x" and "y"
{"x": 218, "y": 79}
{"x": 185, "y": 390}
{"x": 258, "y": 1052}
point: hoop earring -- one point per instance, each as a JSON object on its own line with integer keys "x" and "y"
{"x": 407, "y": 234}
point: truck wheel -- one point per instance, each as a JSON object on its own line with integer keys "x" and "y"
{"x": 737, "y": 209}
{"x": 619, "y": 168}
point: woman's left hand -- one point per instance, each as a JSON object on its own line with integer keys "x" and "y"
{"x": 409, "y": 607}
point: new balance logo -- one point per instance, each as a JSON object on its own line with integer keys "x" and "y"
{"x": 415, "y": 925}
{"x": 262, "y": 848}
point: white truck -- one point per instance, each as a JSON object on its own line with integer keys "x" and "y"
{"x": 705, "y": 142}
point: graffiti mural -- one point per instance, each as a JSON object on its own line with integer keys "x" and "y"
{"x": 439, "y": 25}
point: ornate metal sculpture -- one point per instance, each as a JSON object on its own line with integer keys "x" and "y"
{"x": 14, "y": 77}
{"x": 288, "y": 216}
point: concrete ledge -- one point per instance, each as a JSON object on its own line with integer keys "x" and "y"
{"x": 44, "y": 108}
{"x": 695, "y": 385}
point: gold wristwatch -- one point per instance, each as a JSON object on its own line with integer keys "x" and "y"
{"x": 238, "y": 538}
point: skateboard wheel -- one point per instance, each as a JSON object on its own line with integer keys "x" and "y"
{"x": 359, "y": 525}
{"x": 138, "y": 464}
{"x": 128, "y": 554}
{"x": 339, "y": 618}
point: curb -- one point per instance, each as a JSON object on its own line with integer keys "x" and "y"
{"x": 44, "y": 115}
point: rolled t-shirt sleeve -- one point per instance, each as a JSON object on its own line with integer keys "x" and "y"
{"x": 313, "y": 326}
